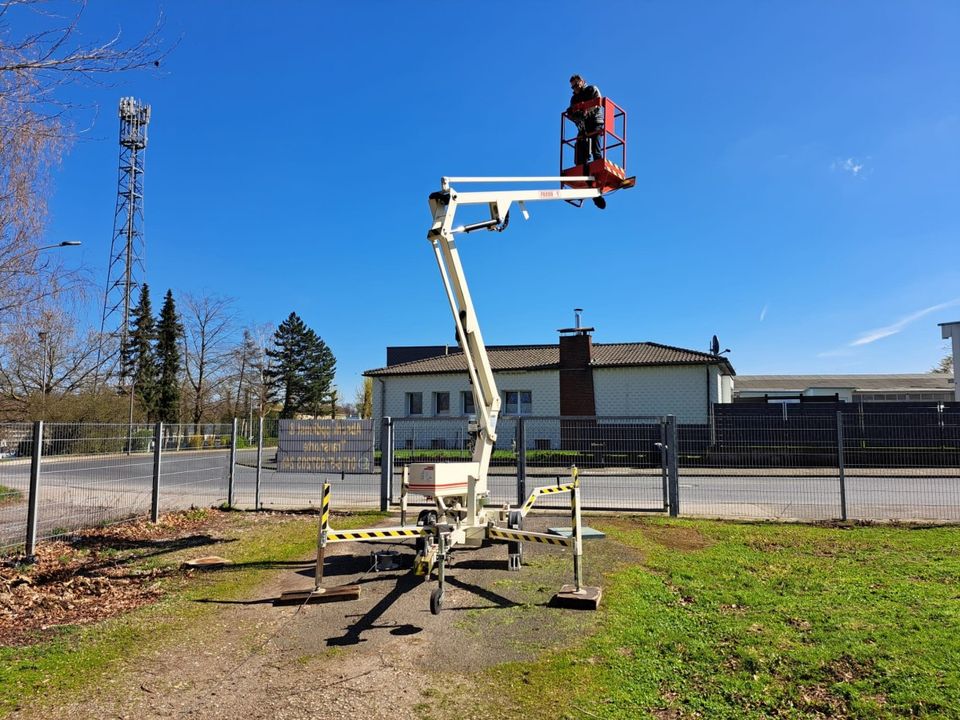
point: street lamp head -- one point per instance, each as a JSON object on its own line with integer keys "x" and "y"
{"x": 70, "y": 243}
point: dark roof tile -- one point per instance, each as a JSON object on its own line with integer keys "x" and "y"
{"x": 547, "y": 357}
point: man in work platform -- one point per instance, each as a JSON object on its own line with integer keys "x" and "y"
{"x": 589, "y": 122}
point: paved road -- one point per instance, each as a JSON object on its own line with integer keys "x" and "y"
{"x": 89, "y": 490}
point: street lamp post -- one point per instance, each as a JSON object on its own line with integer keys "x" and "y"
{"x": 44, "y": 359}
{"x": 33, "y": 251}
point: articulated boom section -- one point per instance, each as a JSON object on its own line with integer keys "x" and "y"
{"x": 469, "y": 480}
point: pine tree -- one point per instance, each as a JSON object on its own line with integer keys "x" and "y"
{"x": 169, "y": 335}
{"x": 287, "y": 360}
{"x": 302, "y": 366}
{"x": 319, "y": 370}
{"x": 139, "y": 358}
{"x": 944, "y": 366}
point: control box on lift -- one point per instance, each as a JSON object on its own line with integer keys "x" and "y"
{"x": 444, "y": 479}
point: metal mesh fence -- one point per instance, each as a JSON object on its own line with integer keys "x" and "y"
{"x": 771, "y": 466}
{"x": 195, "y": 465}
{"x": 620, "y": 460}
{"x": 293, "y": 490}
{"x": 16, "y": 445}
{"x": 788, "y": 462}
{"x": 902, "y": 465}
{"x": 93, "y": 474}
{"x": 807, "y": 463}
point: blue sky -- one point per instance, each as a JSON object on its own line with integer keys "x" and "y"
{"x": 797, "y": 163}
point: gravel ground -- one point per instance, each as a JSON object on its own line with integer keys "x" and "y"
{"x": 382, "y": 656}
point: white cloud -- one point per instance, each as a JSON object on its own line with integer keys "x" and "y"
{"x": 873, "y": 335}
{"x": 851, "y": 165}
{"x": 763, "y": 313}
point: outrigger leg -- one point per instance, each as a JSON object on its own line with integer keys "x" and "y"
{"x": 577, "y": 595}
{"x": 320, "y": 594}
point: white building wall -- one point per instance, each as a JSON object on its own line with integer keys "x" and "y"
{"x": 544, "y": 387}
{"x": 426, "y": 429}
{"x": 726, "y": 388}
{"x": 845, "y": 394}
{"x": 680, "y": 390}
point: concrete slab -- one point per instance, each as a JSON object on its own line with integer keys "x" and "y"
{"x": 586, "y": 598}
{"x": 587, "y": 533}
{"x": 329, "y": 594}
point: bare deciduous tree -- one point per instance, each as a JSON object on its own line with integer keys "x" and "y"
{"x": 44, "y": 357}
{"x": 264, "y": 388}
{"x": 208, "y": 324}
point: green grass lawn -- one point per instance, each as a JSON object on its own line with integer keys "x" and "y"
{"x": 727, "y": 620}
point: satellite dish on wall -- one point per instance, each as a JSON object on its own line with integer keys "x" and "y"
{"x": 715, "y": 346}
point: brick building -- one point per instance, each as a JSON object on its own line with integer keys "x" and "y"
{"x": 575, "y": 377}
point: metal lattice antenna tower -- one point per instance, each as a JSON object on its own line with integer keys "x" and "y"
{"x": 126, "y": 269}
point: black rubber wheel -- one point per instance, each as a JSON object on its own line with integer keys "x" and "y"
{"x": 427, "y": 518}
{"x": 436, "y": 601}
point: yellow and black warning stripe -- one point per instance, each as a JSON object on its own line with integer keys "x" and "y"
{"x": 545, "y": 490}
{"x": 372, "y": 534}
{"x": 325, "y": 507}
{"x": 495, "y": 533}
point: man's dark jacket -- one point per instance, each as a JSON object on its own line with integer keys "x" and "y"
{"x": 587, "y": 92}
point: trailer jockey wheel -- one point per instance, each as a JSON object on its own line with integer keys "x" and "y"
{"x": 514, "y": 547}
{"x": 436, "y": 601}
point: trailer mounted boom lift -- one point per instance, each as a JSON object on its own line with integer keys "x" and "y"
{"x": 462, "y": 515}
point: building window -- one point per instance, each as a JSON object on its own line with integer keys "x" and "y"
{"x": 414, "y": 403}
{"x": 466, "y": 402}
{"x": 519, "y": 402}
{"x": 441, "y": 403}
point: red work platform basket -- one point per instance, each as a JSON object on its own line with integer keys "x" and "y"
{"x": 610, "y": 171}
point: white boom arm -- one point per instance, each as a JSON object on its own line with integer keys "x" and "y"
{"x": 443, "y": 205}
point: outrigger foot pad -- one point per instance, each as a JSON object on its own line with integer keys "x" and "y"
{"x": 329, "y": 594}
{"x": 586, "y": 598}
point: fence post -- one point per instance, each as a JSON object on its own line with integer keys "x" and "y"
{"x": 155, "y": 498}
{"x": 386, "y": 462}
{"x": 521, "y": 461}
{"x": 233, "y": 463}
{"x": 841, "y": 467}
{"x": 33, "y": 501}
{"x": 664, "y": 476}
{"x": 673, "y": 481}
{"x": 256, "y": 492}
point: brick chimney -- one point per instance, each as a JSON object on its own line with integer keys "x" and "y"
{"x": 576, "y": 375}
